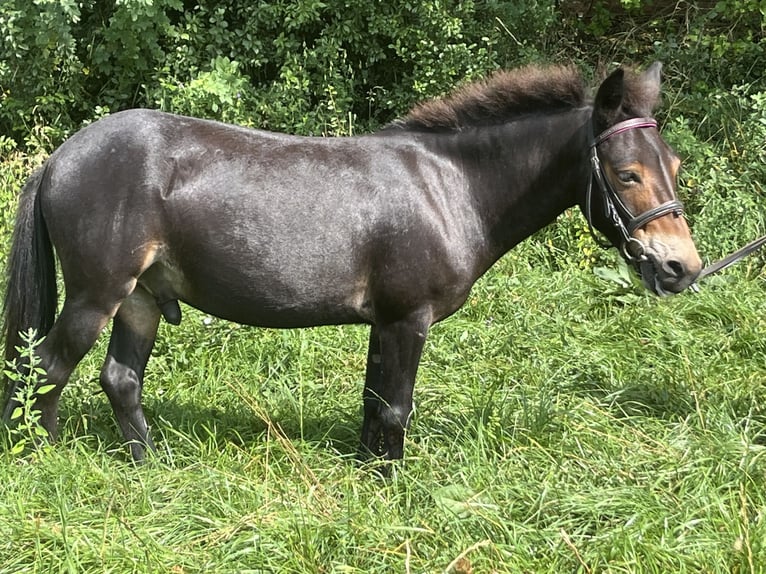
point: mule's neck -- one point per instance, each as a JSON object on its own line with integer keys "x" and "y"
{"x": 522, "y": 175}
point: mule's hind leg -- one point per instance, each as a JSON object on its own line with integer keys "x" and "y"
{"x": 72, "y": 335}
{"x": 122, "y": 377}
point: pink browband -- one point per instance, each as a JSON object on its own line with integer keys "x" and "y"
{"x": 624, "y": 127}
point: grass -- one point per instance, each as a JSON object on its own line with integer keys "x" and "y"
{"x": 564, "y": 423}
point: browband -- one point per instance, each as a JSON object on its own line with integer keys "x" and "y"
{"x": 623, "y": 127}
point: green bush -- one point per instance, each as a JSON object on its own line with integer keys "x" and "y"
{"x": 306, "y": 66}
{"x": 40, "y": 71}
{"x": 722, "y": 140}
{"x": 323, "y": 67}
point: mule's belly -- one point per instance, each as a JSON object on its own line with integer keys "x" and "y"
{"x": 294, "y": 235}
{"x": 279, "y": 310}
{"x": 239, "y": 286}
{"x": 264, "y": 312}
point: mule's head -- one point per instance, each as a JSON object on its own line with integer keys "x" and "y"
{"x": 632, "y": 197}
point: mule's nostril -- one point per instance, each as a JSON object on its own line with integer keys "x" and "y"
{"x": 674, "y": 268}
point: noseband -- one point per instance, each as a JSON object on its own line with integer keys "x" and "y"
{"x": 616, "y": 211}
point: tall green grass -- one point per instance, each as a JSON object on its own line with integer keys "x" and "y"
{"x": 565, "y": 422}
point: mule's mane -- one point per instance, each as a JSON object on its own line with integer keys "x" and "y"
{"x": 501, "y": 97}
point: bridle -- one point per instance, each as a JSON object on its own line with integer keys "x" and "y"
{"x": 625, "y": 222}
{"x": 616, "y": 211}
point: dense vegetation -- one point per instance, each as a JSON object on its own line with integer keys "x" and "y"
{"x": 567, "y": 421}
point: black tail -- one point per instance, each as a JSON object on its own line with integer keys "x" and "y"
{"x": 30, "y": 294}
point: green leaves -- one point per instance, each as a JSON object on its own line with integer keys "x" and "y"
{"x": 27, "y": 379}
{"x": 310, "y": 67}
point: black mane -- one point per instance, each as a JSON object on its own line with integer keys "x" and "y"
{"x": 503, "y": 96}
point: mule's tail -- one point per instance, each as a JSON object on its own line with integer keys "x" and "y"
{"x": 30, "y": 294}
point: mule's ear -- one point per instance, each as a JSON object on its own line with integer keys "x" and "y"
{"x": 608, "y": 102}
{"x": 651, "y": 80}
{"x": 653, "y": 74}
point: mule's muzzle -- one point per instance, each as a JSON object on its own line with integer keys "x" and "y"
{"x": 668, "y": 274}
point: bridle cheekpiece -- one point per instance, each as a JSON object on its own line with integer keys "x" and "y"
{"x": 616, "y": 211}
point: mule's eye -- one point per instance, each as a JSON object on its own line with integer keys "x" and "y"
{"x": 628, "y": 177}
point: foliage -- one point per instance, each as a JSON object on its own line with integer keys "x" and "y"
{"x": 39, "y": 70}
{"x": 315, "y": 66}
{"x": 29, "y": 382}
{"x": 308, "y": 66}
{"x": 722, "y": 136}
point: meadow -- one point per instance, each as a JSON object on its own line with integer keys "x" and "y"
{"x": 566, "y": 421}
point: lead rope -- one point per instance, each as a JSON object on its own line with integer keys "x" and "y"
{"x": 729, "y": 260}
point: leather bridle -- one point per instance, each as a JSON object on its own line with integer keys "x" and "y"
{"x": 615, "y": 209}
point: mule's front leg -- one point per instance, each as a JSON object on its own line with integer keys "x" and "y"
{"x": 392, "y": 363}
{"x": 371, "y": 440}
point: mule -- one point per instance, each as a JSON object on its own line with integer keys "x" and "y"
{"x": 145, "y": 209}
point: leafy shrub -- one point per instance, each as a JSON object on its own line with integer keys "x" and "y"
{"x": 27, "y": 430}
{"x": 127, "y": 42}
{"x": 214, "y": 93}
{"x": 308, "y": 66}
{"x": 39, "y": 70}
{"x": 320, "y": 67}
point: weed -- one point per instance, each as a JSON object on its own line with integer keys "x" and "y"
{"x": 27, "y": 383}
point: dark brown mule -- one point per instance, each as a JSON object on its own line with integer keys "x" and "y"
{"x": 145, "y": 209}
